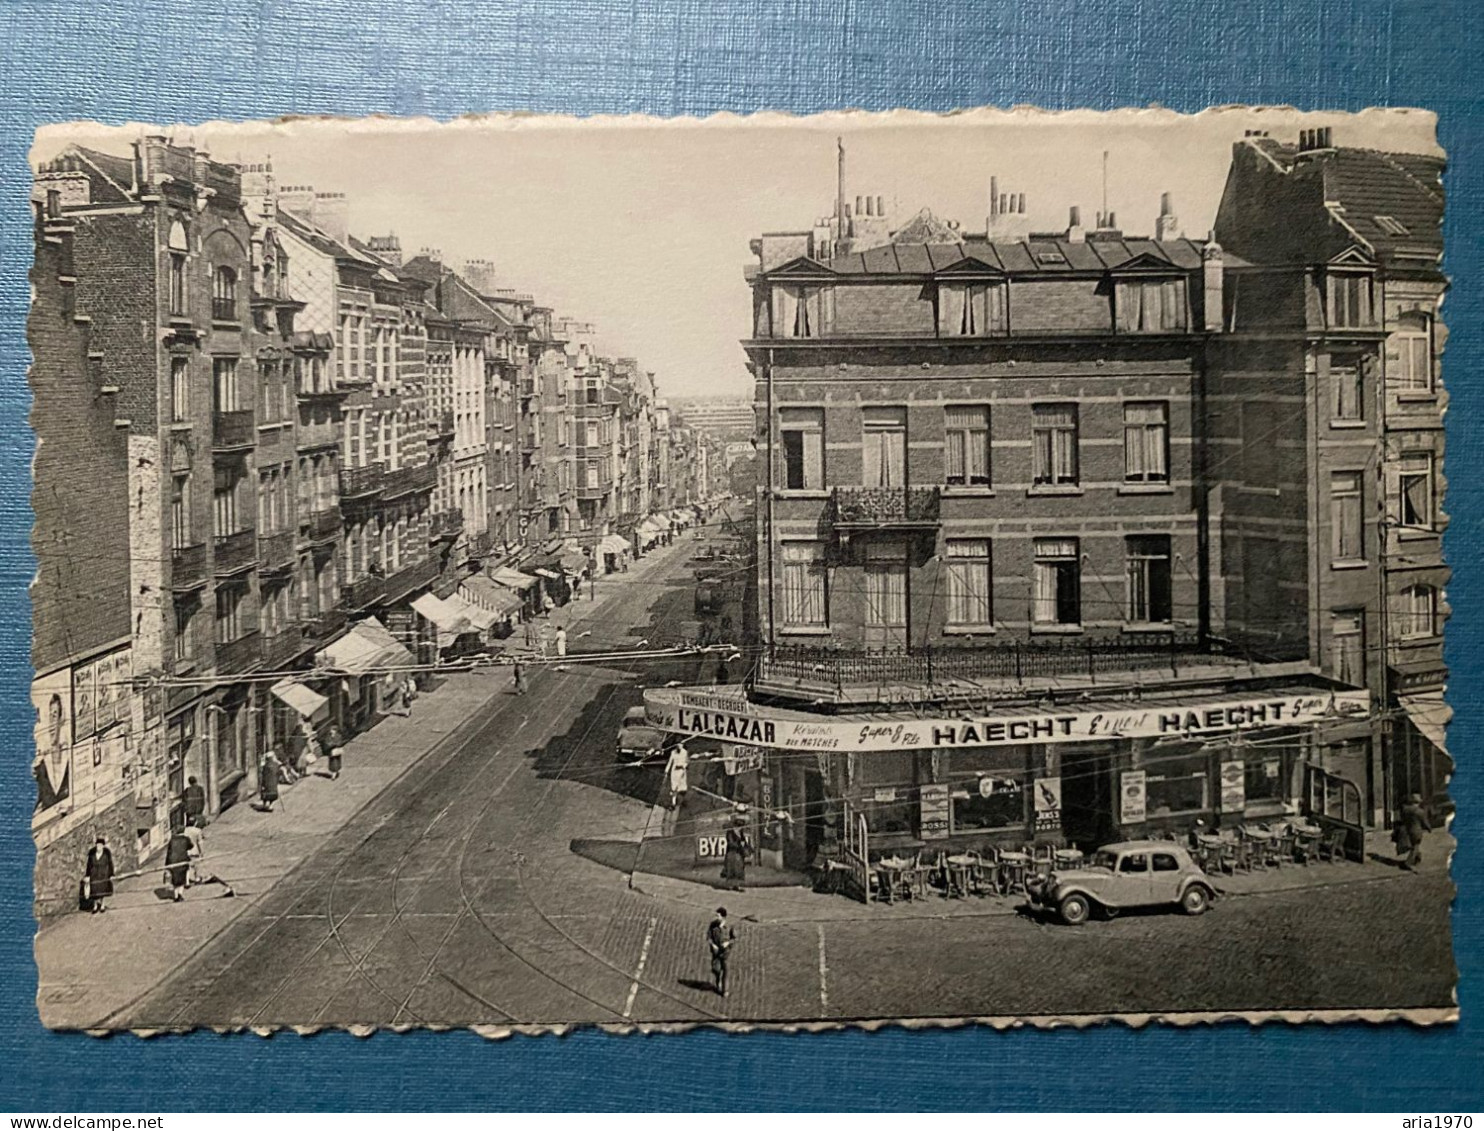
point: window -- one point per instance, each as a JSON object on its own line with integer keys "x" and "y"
{"x": 224, "y": 501}
{"x": 1146, "y": 442}
{"x": 1054, "y": 443}
{"x": 1135, "y": 862}
{"x": 179, "y": 246}
{"x": 1149, "y": 599}
{"x": 805, "y": 600}
{"x": 1413, "y": 345}
{"x": 988, "y": 787}
{"x": 1151, "y": 305}
{"x": 969, "y": 593}
{"x": 796, "y": 312}
{"x": 802, "y": 438}
{"x": 228, "y": 394}
{"x": 1345, "y": 504}
{"x": 180, "y": 389}
{"x": 1057, "y": 595}
{"x": 270, "y": 392}
{"x": 1347, "y": 646}
{"x": 1415, "y": 491}
{"x": 184, "y": 645}
{"x": 884, "y": 455}
{"x": 1349, "y": 299}
{"x": 592, "y": 473}
{"x": 1164, "y": 862}
{"x": 180, "y": 512}
{"x": 1348, "y": 382}
{"x": 224, "y": 294}
{"x": 1176, "y": 783}
{"x": 967, "y": 435}
{"x": 970, "y": 310}
{"x": 1419, "y": 613}
{"x": 886, "y": 595}
{"x": 229, "y": 603}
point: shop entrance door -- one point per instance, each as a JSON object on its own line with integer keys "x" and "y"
{"x": 886, "y": 597}
{"x": 1086, "y": 797}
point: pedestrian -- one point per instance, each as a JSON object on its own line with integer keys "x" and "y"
{"x": 178, "y": 864}
{"x": 197, "y": 854}
{"x": 520, "y": 679}
{"x": 268, "y": 781}
{"x": 739, "y": 848}
{"x": 547, "y": 604}
{"x": 720, "y": 936}
{"x": 721, "y": 671}
{"x": 335, "y": 743}
{"x": 409, "y": 691}
{"x": 530, "y": 634}
{"x": 561, "y": 640}
{"x": 195, "y": 802}
{"x": 97, "y": 876}
{"x": 1410, "y": 829}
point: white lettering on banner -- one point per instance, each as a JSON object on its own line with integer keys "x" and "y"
{"x": 737, "y": 720}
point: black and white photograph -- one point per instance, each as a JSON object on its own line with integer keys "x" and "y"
{"x": 525, "y": 573}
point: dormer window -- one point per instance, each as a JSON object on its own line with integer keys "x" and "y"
{"x": 797, "y": 311}
{"x": 1348, "y": 299}
{"x": 970, "y": 310}
{"x": 1151, "y": 306}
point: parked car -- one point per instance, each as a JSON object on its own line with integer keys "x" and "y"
{"x": 640, "y": 742}
{"x": 1136, "y": 873}
{"x": 709, "y": 597}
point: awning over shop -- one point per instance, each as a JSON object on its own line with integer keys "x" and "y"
{"x": 614, "y": 544}
{"x": 443, "y": 615}
{"x": 479, "y": 590}
{"x": 1430, "y": 714}
{"x": 652, "y": 527}
{"x": 306, "y": 701}
{"x": 574, "y": 563}
{"x": 367, "y": 647}
{"x": 513, "y": 578}
{"x": 481, "y": 619}
{"x": 550, "y": 575}
{"x": 734, "y": 718}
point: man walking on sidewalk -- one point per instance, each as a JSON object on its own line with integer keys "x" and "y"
{"x": 520, "y": 679}
{"x": 195, "y": 802}
{"x": 720, "y": 936}
{"x": 335, "y": 741}
{"x": 1410, "y": 830}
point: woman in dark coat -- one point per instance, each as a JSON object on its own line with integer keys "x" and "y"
{"x": 1410, "y": 831}
{"x": 734, "y": 866}
{"x": 99, "y": 874}
{"x": 335, "y": 742}
{"x": 268, "y": 781}
{"x": 178, "y": 864}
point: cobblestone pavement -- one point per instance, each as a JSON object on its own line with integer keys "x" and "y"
{"x": 452, "y": 898}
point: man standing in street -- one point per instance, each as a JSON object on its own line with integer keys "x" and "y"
{"x": 194, "y": 799}
{"x": 1410, "y": 830}
{"x": 520, "y": 679}
{"x": 561, "y": 640}
{"x": 720, "y": 936}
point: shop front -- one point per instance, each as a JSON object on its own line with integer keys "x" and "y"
{"x": 370, "y": 663}
{"x": 1086, "y": 775}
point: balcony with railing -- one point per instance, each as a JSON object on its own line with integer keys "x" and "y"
{"x": 276, "y": 551}
{"x": 319, "y": 434}
{"x": 364, "y": 592}
{"x": 409, "y": 480}
{"x": 324, "y": 624}
{"x": 887, "y": 508}
{"x": 361, "y": 482}
{"x": 188, "y": 566}
{"x": 237, "y": 429}
{"x": 282, "y": 647}
{"x": 954, "y": 672}
{"x": 235, "y": 552}
{"x": 441, "y": 426}
{"x": 323, "y": 525}
{"x": 238, "y": 655}
{"x": 446, "y": 526}
{"x": 411, "y": 577}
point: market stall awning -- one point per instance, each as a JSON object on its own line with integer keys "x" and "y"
{"x": 481, "y": 619}
{"x": 574, "y": 563}
{"x": 1430, "y": 714}
{"x": 513, "y": 578}
{"x": 730, "y": 715}
{"x": 614, "y": 544}
{"x": 367, "y": 647}
{"x": 652, "y": 527}
{"x": 442, "y": 614}
{"x": 550, "y": 575}
{"x": 479, "y": 590}
{"x": 306, "y": 701}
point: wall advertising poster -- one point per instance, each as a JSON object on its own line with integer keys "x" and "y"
{"x": 84, "y": 702}
{"x": 1233, "y": 787}
{"x": 51, "y": 696}
{"x": 1131, "y": 797}
{"x": 933, "y": 821}
{"x": 1048, "y": 805}
{"x": 120, "y": 677}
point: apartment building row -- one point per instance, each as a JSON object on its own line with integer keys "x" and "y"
{"x": 276, "y": 463}
{"x": 1074, "y": 536}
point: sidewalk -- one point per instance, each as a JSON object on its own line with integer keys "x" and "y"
{"x": 91, "y": 966}
{"x": 786, "y": 905}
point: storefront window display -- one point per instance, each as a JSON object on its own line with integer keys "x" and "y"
{"x": 886, "y": 782}
{"x": 989, "y": 788}
{"x": 1177, "y": 781}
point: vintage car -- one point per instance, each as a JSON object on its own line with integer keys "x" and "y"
{"x": 638, "y": 741}
{"x": 1136, "y": 873}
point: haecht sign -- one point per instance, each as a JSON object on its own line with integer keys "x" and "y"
{"x": 732, "y": 718}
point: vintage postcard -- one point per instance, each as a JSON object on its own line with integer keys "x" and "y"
{"x": 526, "y": 573}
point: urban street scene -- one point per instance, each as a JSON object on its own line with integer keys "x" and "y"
{"x": 524, "y": 573}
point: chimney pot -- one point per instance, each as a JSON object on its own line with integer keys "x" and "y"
{"x": 881, "y": 206}
{"x": 1074, "y": 217}
{"x": 860, "y": 205}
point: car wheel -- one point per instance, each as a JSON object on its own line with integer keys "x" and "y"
{"x": 1075, "y": 909}
{"x": 1195, "y": 900}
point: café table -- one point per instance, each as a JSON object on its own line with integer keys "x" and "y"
{"x": 1069, "y": 858}
{"x": 894, "y": 871}
{"x": 1013, "y": 868}
{"x": 961, "y": 873}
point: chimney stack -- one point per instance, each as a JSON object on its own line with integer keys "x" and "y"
{"x": 994, "y": 197}
{"x": 1212, "y": 274}
{"x": 298, "y": 199}
{"x": 1075, "y": 232}
{"x": 1167, "y": 227}
{"x": 332, "y": 215}
{"x": 480, "y": 274}
{"x": 388, "y": 247}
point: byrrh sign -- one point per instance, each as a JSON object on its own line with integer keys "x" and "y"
{"x": 734, "y": 719}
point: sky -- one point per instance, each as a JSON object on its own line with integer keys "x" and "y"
{"x": 641, "y": 226}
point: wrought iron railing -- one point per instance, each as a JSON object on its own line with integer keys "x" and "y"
{"x": 324, "y": 524}
{"x": 365, "y": 591}
{"x": 406, "y": 480}
{"x": 887, "y": 506}
{"x": 188, "y": 566}
{"x": 238, "y": 655}
{"x": 235, "y": 552}
{"x": 358, "y": 481}
{"x": 276, "y": 550}
{"x": 282, "y": 646}
{"x": 237, "y": 429}
{"x": 408, "y": 578}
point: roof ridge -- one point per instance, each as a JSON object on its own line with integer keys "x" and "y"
{"x": 1393, "y": 163}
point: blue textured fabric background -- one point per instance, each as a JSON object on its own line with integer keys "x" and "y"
{"x": 117, "y": 60}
